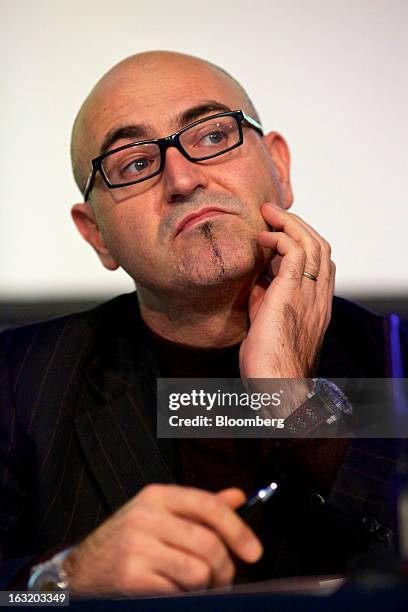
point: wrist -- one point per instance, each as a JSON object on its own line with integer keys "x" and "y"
{"x": 76, "y": 571}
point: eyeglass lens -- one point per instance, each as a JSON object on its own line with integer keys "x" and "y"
{"x": 201, "y": 141}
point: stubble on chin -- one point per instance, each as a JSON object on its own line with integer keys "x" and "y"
{"x": 220, "y": 255}
{"x": 206, "y": 230}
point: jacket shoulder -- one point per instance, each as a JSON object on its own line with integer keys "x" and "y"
{"x": 351, "y": 316}
{"x": 65, "y": 335}
{"x": 355, "y": 342}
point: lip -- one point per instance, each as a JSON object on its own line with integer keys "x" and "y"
{"x": 197, "y": 216}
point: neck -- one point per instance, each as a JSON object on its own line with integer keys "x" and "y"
{"x": 208, "y": 318}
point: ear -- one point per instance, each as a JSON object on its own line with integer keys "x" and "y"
{"x": 279, "y": 152}
{"x": 84, "y": 218}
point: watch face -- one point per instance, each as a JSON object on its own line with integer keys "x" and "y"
{"x": 337, "y": 399}
{"x": 48, "y": 580}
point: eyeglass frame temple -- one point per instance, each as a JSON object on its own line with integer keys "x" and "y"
{"x": 95, "y": 163}
{"x": 252, "y": 122}
{"x": 90, "y": 181}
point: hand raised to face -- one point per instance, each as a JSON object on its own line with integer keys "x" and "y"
{"x": 288, "y": 315}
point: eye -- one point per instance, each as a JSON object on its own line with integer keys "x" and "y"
{"x": 134, "y": 168}
{"x": 138, "y": 165}
{"x": 215, "y": 137}
{"x": 132, "y": 164}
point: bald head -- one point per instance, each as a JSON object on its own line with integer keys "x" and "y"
{"x": 136, "y": 83}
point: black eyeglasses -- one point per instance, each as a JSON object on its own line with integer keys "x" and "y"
{"x": 138, "y": 161}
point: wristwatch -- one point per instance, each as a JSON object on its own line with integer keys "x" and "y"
{"x": 50, "y": 575}
{"x": 325, "y": 404}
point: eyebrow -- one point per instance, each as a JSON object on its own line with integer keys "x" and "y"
{"x": 195, "y": 112}
{"x": 140, "y": 131}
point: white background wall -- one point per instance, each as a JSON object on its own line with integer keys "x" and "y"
{"x": 332, "y": 76}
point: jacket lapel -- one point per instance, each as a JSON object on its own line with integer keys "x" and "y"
{"x": 117, "y": 430}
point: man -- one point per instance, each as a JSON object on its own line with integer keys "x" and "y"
{"x": 189, "y": 218}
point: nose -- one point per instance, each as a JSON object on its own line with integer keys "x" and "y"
{"x": 181, "y": 176}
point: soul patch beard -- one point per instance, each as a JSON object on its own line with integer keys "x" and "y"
{"x": 207, "y": 231}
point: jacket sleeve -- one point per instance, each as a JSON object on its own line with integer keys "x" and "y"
{"x": 361, "y": 496}
{"x": 364, "y": 491}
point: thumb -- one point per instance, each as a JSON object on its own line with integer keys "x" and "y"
{"x": 233, "y": 497}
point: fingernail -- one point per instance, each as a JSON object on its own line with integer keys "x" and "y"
{"x": 253, "y": 550}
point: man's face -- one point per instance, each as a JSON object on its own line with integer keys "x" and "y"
{"x": 144, "y": 233}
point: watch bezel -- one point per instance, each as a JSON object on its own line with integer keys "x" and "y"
{"x": 50, "y": 575}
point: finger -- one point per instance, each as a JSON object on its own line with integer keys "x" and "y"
{"x": 154, "y": 584}
{"x": 325, "y": 250}
{"x": 294, "y": 227}
{"x": 193, "y": 539}
{"x": 136, "y": 574}
{"x": 203, "y": 543}
{"x": 212, "y": 511}
{"x": 232, "y": 496}
{"x": 326, "y": 279}
{"x": 325, "y": 272}
{"x": 330, "y": 292}
{"x": 293, "y": 255}
{"x": 274, "y": 209}
{"x": 325, "y": 276}
{"x": 182, "y": 570}
{"x": 274, "y": 266}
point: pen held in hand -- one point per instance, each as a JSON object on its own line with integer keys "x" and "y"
{"x": 260, "y": 497}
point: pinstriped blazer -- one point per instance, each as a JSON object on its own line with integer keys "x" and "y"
{"x": 77, "y": 424}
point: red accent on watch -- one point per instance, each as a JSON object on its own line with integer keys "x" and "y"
{"x": 310, "y": 415}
